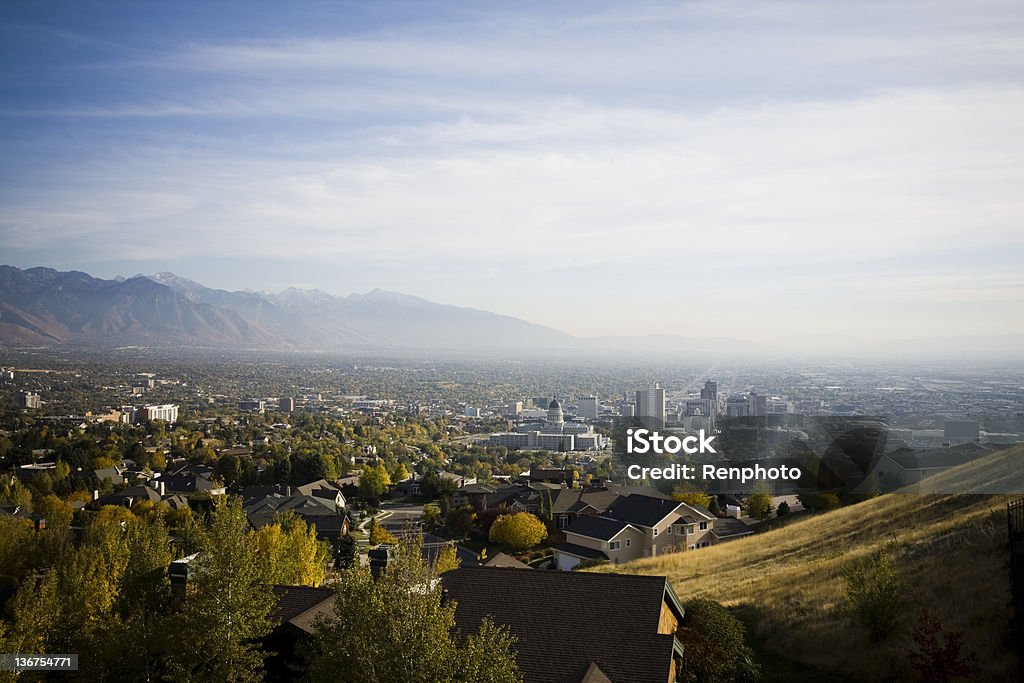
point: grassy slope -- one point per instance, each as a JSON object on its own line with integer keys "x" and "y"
{"x": 786, "y": 583}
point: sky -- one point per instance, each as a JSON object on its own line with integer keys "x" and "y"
{"x": 758, "y": 170}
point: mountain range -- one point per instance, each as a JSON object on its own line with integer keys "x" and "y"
{"x": 45, "y": 306}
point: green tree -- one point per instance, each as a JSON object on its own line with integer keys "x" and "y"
{"x": 875, "y": 593}
{"x": 346, "y": 552}
{"x": 396, "y": 628}
{"x": 713, "y": 507}
{"x": 518, "y": 531}
{"x": 431, "y": 517}
{"x": 713, "y": 644}
{"x": 55, "y": 511}
{"x": 759, "y": 504}
{"x": 373, "y": 482}
{"x": 214, "y": 636}
{"x": 460, "y": 520}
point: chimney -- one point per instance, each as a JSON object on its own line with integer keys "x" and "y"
{"x": 163, "y": 489}
{"x": 95, "y": 494}
{"x": 380, "y": 557}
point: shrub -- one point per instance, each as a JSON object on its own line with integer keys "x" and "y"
{"x": 519, "y": 531}
{"x": 783, "y": 509}
{"x": 938, "y": 662}
{"x": 713, "y": 644}
{"x": 875, "y": 594}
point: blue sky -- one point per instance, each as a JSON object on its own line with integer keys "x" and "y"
{"x": 746, "y": 169}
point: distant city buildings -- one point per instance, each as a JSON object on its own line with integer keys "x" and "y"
{"x": 554, "y": 433}
{"x": 27, "y": 399}
{"x": 133, "y": 415}
{"x": 286, "y": 404}
{"x": 961, "y": 431}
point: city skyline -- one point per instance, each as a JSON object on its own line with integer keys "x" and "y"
{"x": 699, "y": 169}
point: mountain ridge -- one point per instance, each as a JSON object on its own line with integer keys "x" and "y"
{"x": 42, "y": 305}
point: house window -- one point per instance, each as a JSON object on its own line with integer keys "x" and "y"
{"x": 655, "y": 532}
{"x": 703, "y": 526}
{"x": 692, "y": 547}
{"x": 614, "y": 545}
{"x": 691, "y": 529}
{"x": 563, "y": 521}
{"x": 669, "y": 530}
{"x": 629, "y": 542}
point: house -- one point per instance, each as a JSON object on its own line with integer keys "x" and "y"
{"x": 575, "y": 627}
{"x": 906, "y": 466}
{"x": 320, "y": 489}
{"x": 114, "y": 475}
{"x": 330, "y": 522}
{"x": 504, "y": 561}
{"x": 563, "y": 476}
{"x": 137, "y": 494}
{"x": 632, "y": 527}
{"x": 294, "y": 615}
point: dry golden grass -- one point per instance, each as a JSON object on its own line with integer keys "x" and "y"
{"x": 951, "y": 550}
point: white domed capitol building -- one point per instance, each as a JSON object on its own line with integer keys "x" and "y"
{"x": 553, "y": 434}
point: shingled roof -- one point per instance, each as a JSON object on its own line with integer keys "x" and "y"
{"x": 571, "y": 626}
{"x": 301, "y": 605}
{"x": 596, "y": 527}
{"x": 643, "y": 510}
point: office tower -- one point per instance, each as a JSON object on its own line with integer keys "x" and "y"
{"x": 286, "y": 405}
{"x": 710, "y": 391}
{"x": 650, "y": 404}
{"x": 758, "y": 405}
{"x": 588, "y": 407}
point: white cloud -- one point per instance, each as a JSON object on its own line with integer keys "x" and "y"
{"x": 752, "y": 147}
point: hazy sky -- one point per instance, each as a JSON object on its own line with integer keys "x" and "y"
{"x": 749, "y": 169}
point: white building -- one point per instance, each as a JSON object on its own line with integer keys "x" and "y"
{"x": 552, "y": 434}
{"x": 166, "y": 412}
{"x": 588, "y": 407}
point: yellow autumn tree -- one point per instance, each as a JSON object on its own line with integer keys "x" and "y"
{"x": 519, "y": 531}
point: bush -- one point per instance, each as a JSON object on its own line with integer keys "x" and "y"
{"x": 519, "y": 531}
{"x": 875, "y": 594}
{"x": 783, "y": 509}
{"x": 759, "y": 504}
{"x": 938, "y": 655}
{"x": 713, "y": 644}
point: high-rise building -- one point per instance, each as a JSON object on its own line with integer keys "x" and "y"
{"x": 650, "y": 404}
{"x": 286, "y": 404}
{"x": 758, "y": 404}
{"x": 588, "y": 407}
{"x": 27, "y": 399}
{"x": 737, "y": 406}
{"x": 710, "y": 391}
{"x": 166, "y": 412}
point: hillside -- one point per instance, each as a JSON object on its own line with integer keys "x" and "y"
{"x": 786, "y": 583}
